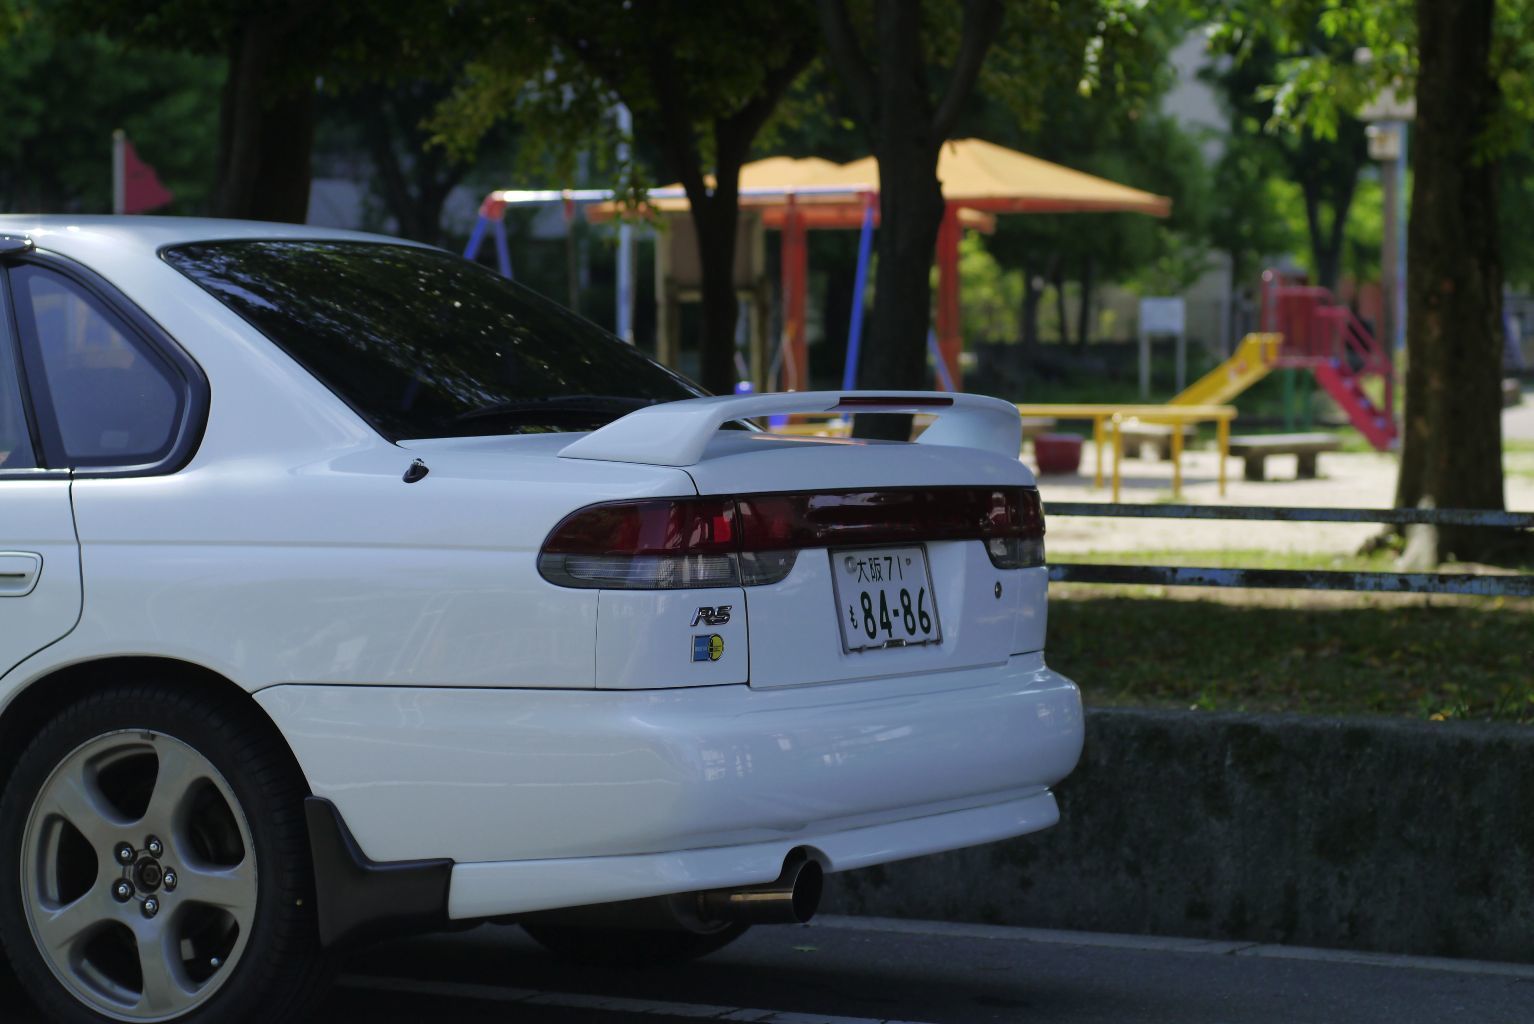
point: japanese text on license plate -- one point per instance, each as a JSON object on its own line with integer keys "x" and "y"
{"x": 884, "y": 598}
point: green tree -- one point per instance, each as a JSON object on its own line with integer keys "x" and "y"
{"x": 701, "y": 81}
{"x": 61, "y": 96}
{"x": 276, "y": 52}
{"x": 1246, "y": 219}
{"x": 1323, "y": 161}
{"x": 1470, "y": 65}
{"x": 888, "y": 54}
{"x": 391, "y": 122}
{"x": 1110, "y": 130}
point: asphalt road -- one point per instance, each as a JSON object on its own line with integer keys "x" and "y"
{"x": 847, "y": 971}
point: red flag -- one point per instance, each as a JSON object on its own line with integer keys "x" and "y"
{"x": 141, "y": 186}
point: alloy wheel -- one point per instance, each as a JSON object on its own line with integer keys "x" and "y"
{"x": 139, "y": 876}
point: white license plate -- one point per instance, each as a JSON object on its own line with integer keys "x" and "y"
{"x": 884, "y": 598}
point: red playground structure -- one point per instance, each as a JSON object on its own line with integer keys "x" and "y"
{"x": 1324, "y": 336}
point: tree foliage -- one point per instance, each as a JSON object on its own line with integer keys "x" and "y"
{"x": 700, "y": 81}
{"x": 1323, "y": 159}
{"x": 1469, "y": 66}
{"x": 276, "y": 52}
{"x": 61, "y": 96}
{"x": 1109, "y": 127}
{"x": 910, "y": 69}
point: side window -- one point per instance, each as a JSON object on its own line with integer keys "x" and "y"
{"x": 15, "y": 445}
{"x": 113, "y": 400}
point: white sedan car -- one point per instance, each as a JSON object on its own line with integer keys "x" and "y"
{"x": 347, "y": 587}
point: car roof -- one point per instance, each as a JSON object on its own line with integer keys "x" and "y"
{"x": 71, "y": 234}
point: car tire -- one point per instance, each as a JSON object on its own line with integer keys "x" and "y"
{"x": 631, "y": 947}
{"x": 154, "y": 864}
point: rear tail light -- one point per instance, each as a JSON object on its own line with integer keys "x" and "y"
{"x": 751, "y": 540}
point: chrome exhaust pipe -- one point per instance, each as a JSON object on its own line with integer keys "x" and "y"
{"x": 792, "y": 898}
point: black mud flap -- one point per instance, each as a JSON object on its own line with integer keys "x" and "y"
{"x": 363, "y": 899}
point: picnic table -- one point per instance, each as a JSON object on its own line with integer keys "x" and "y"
{"x": 1119, "y": 417}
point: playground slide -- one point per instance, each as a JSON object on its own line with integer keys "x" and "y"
{"x": 1251, "y": 361}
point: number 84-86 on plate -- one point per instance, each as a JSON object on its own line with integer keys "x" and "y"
{"x": 884, "y": 597}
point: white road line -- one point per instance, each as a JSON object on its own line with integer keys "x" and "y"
{"x": 611, "y": 1004}
{"x": 1169, "y": 944}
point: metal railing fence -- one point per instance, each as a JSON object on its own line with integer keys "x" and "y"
{"x": 1476, "y": 584}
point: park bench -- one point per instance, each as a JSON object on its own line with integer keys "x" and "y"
{"x": 1255, "y": 448}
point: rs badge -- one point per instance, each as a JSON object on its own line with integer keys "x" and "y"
{"x": 707, "y": 648}
{"x": 719, "y": 616}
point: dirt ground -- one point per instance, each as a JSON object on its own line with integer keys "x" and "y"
{"x": 1347, "y": 480}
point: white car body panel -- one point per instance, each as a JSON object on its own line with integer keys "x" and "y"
{"x": 646, "y": 772}
{"x": 221, "y": 566}
{"x": 644, "y": 638}
{"x": 560, "y": 745}
{"x": 521, "y": 887}
{"x": 797, "y": 641}
{"x": 40, "y": 591}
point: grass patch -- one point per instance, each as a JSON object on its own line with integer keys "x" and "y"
{"x": 1459, "y": 661}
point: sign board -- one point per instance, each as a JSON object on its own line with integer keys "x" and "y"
{"x": 1389, "y": 106}
{"x": 1162, "y": 316}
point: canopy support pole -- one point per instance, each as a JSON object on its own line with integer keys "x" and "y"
{"x": 944, "y": 381}
{"x": 476, "y": 238}
{"x": 623, "y": 319}
{"x": 502, "y": 253}
{"x": 795, "y": 273}
{"x": 572, "y": 258}
{"x": 949, "y": 338}
{"x": 859, "y": 287}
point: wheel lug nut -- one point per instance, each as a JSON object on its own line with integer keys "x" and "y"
{"x": 154, "y": 846}
{"x": 151, "y": 907}
{"x": 122, "y": 892}
{"x": 168, "y": 883}
{"x": 123, "y": 853}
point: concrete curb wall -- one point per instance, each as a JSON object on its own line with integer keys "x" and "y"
{"x": 1379, "y": 834}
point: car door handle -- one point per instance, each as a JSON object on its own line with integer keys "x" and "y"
{"x": 19, "y": 571}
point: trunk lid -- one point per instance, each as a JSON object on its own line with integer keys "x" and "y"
{"x": 813, "y": 627}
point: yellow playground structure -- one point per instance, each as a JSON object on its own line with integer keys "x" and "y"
{"x": 1253, "y": 358}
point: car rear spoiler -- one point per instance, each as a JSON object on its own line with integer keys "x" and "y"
{"x": 676, "y": 433}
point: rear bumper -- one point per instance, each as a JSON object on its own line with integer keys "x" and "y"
{"x": 547, "y": 798}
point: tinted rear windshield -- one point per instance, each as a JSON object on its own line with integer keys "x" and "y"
{"x": 422, "y": 343}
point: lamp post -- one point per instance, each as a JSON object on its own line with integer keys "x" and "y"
{"x": 1387, "y": 145}
{"x": 1387, "y": 117}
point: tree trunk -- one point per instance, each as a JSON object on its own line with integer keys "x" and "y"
{"x": 1084, "y": 307}
{"x": 1452, "y": 443}
{"x": 1322, "y": 254}
{"x": 910, "y": 212}
{"x": 716, "y": 228}
{"x": 265, "y": 135}
{"x": 906, "y": 129}
{"x": 715, "y": 219}
{"x": 716, "y": 211}
{"x": 415, "y": 194}
{"x": 1028, "y": 323}
{"x": 1062, "y": 309}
